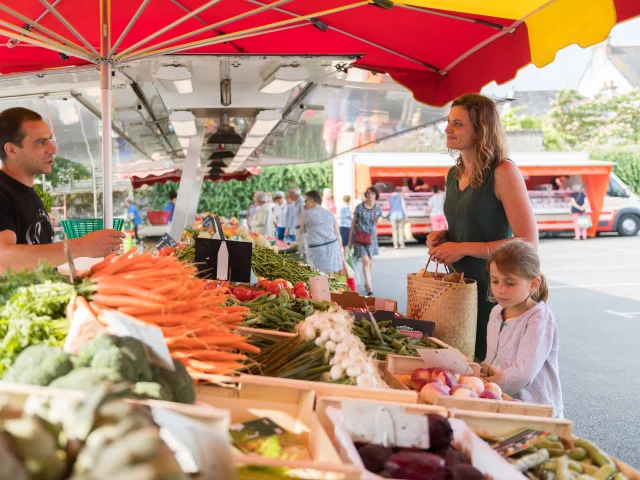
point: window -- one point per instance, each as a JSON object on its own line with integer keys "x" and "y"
{"x": 616, "y": 189}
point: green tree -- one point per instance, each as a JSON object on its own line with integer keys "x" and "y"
{"x": 627, "y": 164}
{"x": 63, "y": 169}
{"x": 229, "y": 198}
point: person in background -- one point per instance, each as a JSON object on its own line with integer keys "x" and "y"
{"x": 327, "y": 201}
{"x": 262, "y": 221}
{"x": 578, "y": 209}
{"x": 280, "y": 212}
{"x": 324, "y": 248}
{"x": 298, "y": 213}
{"x": 522, "y": 335}
{"x": 26, "y": 235}
{"x": 346, "y": 219}
{"x": 558, "y": 182}
{"x": 171, "y": 204}
{"x": 363, "y": 235}
{"x": 133, "y": 215}
{"x": 270, "y": 201}
{"x": 397, "y": 217}
{"x": 415, "y": 184}
{"x": 289, "y": 233}
{"x": 486, "y": 203}
{"x": 252, "y": 208}
{"x": 436, "y": 210}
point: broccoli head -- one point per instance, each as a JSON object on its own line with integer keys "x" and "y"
{"x": 153, "y": 390}
{"x": 125, "y": 355}
{"x": 86, "y": 379}
{"x": 39, "y": 365}
{"x": 179, "y": 382}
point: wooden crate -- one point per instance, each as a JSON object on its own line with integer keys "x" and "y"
{"x": 290, "y": 406}
{"x": 481, "y": 454}
{"x": 502, "y": 424}
{"x": 397, "y": 365}
{"x": 274, "y": 385}
{"x": 307, "y": 469}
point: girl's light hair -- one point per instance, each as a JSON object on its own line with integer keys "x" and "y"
{"x": 491, "y": 147}
{"x": 520, "y": 259}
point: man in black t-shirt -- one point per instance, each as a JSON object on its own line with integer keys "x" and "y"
{"x": 26, "y": 235}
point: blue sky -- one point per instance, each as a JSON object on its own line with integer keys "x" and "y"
{"x": 566, "y": 70}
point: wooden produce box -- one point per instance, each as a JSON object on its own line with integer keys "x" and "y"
{"x": 290, "y": 406}
{"x": 354, "y": 300}
{"x": 481, "y": 454}
{"x": 305, "y": 469}
{"x": 272, "y": 386}
{"x": 397, "y": 365}
{"x": 502, "y": 424}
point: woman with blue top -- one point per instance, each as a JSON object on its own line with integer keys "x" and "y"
{"x": 171, "y": 204}
{"x": 133, "y": 215}
{"x": 397, "y": 217}
{"x": 323, "y": 236}
{"x": 578, "y": 210}
{"x": 346, "y": 218}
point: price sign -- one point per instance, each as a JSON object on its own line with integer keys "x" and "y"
{"x": 208, "y": 222}
{"x": 166, "y": 240}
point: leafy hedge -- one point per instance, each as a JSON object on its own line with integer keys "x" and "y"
{"x": 627, "y": 165}
{"x": 229, "y": 198}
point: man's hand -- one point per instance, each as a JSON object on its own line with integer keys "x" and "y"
{"x": 98, "y": 244}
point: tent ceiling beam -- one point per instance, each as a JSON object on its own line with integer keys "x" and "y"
{"x": 70, "y": 27}
{"x": 26, "y": 36}
{"x": 97, "y": 114}
{"x": 129, "y": 26}
{"x": 450, "y": 16}
{"x": 250, "y": 32}
{"x": 200, "y": 30}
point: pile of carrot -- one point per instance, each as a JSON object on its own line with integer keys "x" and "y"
{"x": 164, "y": 292}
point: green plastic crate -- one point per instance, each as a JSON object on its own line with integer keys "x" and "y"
{"x": 79, "y": 227}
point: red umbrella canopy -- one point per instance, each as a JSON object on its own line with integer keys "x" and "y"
{"x": 439, "y": 49}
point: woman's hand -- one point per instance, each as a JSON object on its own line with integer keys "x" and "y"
{"x": 447, "y": 253}
{"x": 436, "y": 238}
{"x": 497, "y": 377}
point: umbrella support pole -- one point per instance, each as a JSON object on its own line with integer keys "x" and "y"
{"x": 187, "y": 194}
{"x": 107, "y": 145}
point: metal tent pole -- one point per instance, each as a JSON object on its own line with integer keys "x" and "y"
{"x": 105, "y": 105}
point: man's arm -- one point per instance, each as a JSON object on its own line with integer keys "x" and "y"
{"x": 19, "y": 257}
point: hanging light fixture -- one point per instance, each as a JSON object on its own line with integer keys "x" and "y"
{"x": 284, "y": 79}
{"x": 225, "y": 83}
{"x": 225, "y": 134}
{"x": 175, "y": 79}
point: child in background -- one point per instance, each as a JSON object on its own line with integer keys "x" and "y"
{"x": 346, "y": 218}
{"x": 522, "y": 335}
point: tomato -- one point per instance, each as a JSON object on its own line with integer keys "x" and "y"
{"x": 258, "y": 293}
{"x": 242, "y": 294}
{"x": 280, "y": 281}
{"x": 299, "y": 285}
{"x": 264, "y": 284}
{"x": 274, "y": 288}
{"x": 302, "y": 294}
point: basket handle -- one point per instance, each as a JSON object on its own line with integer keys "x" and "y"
{"x": 446, "y": 267}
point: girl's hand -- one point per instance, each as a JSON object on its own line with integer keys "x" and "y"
{"x": 485, "y": 369}
{"x": 447, "y": 253}
{"x": 436, "y": 238}
{"x": 497, "y": 377}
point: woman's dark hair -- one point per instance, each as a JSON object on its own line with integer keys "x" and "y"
{"x": 374, "y": 190}
{"x": 172, "y": 194}
{"x": 436, "y": 189}
{"x": 314, "y": 195}
{"x": 11, "y": 121}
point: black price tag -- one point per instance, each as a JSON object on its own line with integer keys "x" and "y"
{"x": 238, "y": 263}
{"x": 166, "y": 240}
{"x": 208, "y": 222}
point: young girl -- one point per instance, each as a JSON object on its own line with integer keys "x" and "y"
{"x": 522, "y": 336}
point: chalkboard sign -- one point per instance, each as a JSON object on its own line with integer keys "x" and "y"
{"x": 413, "y": 328}
{"x": 166, "y": 240}
{"x": 238, "y": 260}
{"x": 208, "y": 222}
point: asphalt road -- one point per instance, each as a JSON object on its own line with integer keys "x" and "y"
{"x": 595, "y": 297}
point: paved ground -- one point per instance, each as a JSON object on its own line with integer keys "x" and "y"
{"x": 595, "y": 296}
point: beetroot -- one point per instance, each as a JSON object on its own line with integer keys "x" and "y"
{"x": 464, "y": 472}
{"x": 440, "y": 432}
{"x": 374, "y": 456}
{"x": 416, "y": 466}
{"x": 453, "y": 457}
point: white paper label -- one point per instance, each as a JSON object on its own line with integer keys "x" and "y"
{"x": 199, "y": 448}
{"x": 223, "y": 262}
{"x": 386, "y": 425}
{"x": 319, "y": 288}
{"x": 152, "y": 337}
{"x": 450, "y": 358}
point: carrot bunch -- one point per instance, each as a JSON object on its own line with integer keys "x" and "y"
{"x": 164, "y": 292}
